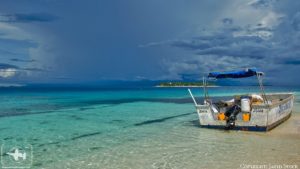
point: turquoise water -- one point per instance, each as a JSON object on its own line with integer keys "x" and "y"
{"x": 136, "y": 128}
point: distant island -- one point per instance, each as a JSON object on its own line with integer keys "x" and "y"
{"x": 185, "y": 84}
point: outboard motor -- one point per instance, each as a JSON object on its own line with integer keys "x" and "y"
{"x": 231, "y": 116}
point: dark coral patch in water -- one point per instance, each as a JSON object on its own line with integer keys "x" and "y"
{"x": 85, "y": 135}
{"x": 160, "y": 120}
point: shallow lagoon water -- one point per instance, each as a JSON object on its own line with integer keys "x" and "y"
{"x": 137, "y": 128}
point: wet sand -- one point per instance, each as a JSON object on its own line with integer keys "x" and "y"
{"x": 291, "y": 127}
{"x": 186, "y": 146}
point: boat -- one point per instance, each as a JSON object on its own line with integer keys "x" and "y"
{"x": 250, "y": 112}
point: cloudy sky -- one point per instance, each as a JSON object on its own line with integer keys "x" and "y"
{"x": 58, "y": 41}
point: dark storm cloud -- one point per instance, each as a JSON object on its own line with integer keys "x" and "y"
{"x": 22, "y": 60}
{"x": 272, "y": 44}
{"x": 34, "y": 69}
{"x": 292, "y": 62}
{"x": 225, "y": 43}
{"x": 228, "y": 21}
{"x": 5, "y": 52}
{"x": 32, "y": 17}
{"x": 191, "y": 44}
{"x": 100, "y": 39}
{"x": 191, "y": 76}
{"x": 296, "y": 21}
{"x": 262, "y": 3}
{"x": 8, "y": 66}
{"x": 63, "y": 78}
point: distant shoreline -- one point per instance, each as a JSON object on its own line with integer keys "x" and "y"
{"x": 182, "y": 86}
{"x": 185, "y": 84}
{"x": 11, "y": 85}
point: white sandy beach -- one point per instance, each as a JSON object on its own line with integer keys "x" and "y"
{"x": 191, "y": 149}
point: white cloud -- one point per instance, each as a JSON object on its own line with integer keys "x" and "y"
{"x": 7, "y": 73}
{"x": 8, "y": 31}
{"x": 272, "y": 19}
{"x": 258, "y": 35}
{"x": 34, "y": 43}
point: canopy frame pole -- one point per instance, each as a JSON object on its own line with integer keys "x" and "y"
{"x": 204, "y": 88}
{"x": 204, "y": 84}
{"x": 194, "y": 100}
{"x": 259, "y": 78}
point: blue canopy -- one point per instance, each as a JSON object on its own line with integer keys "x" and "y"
{"x": 234, "y": 74}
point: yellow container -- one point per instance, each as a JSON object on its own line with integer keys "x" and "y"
{"x": 221, "y": 116}
{"x": 246, "y": 116}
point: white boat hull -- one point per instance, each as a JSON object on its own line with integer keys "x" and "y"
{"x": 264, "y": 117}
